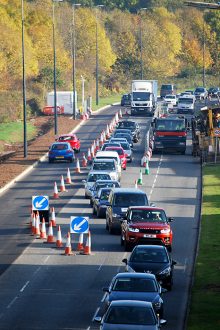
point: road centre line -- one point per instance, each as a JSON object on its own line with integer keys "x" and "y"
{"x": 46, "y": 259}
{"x": 12, "y": 302}
{"x": 23, "y": 288}
{"x": 156, "y": 176}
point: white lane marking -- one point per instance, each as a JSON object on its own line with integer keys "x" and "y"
{"x": 12, "y": 302}
{"x": 156, "y": 177}
{"x": 46, "y": 259}
{"x": 104, "y": 296}
{"x": 96, "y": 312}
{"x": 37, "y": 270}
{"x": 185, "y": 264}
{"x": 23, "y": 288}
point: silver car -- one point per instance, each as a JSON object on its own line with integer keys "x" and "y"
{"x": 106, "y": 165}
{"x": 93, "y": 176}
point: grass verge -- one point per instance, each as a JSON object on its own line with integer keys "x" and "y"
{"x": 105, "y": 101}
{"x": 205, "y": 300}
{"x": 13, "y": 132}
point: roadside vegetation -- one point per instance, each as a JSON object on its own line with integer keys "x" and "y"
{"x": 172, "y": 38}
{"x": 13, "y": 132}
{"x": 205, "y": 300}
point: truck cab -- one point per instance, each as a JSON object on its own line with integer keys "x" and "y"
{"x": 143, "y": 97}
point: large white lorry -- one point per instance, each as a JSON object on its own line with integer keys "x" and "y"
{"x": 64, "y": 99}
{"x": 143, "y": 97}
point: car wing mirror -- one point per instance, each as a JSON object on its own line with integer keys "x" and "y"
{"x": 105, "y": 289}
{"x": 84, "y": 181}
{"x": 98, "y": 319}
{"x": 125, "y": 261}
{"x": 174, "y": 262}
{"x": 170, "y": 219}
{"x": 152, "y": 204}
{"x": 163, "y": 322}
{"x": 163, "y": 290}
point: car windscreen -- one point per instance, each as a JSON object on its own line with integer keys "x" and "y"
{"x": 170, "y": 125}
{"x": 126, "y": 124}
{"x": 141, "y": 96}
{"x": 199, "y": 90}
{"x": 98, "y": 176}
{"x": 136, "y": 315}
{"x": 60, "y": 147}
{"x": 130, "y": 199}
{"x": 149, "y": 255}
{"x": 147, "y": 216}
{"x": 126, "y": 136}
{"x": 110, "y": 166}
{"x": 104, "y": 194}
{"x": 132, "y": 284}
{"x": 125, "y": 146}
{"x": 186, "y": 100}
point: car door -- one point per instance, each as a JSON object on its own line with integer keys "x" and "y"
{"x": 109, "y": 208}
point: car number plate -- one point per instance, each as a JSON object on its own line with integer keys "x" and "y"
{"x": 124, "y": 209}
{"x": 149, "y": 236}
{"x": 60, "y": 157}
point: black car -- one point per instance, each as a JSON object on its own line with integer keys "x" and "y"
{"x": 153, "y": 259}
{"x": 119, "y": 201}
{"x": 136, "y": 286}
{"x": 100, "y": 202}
{"x": 126, "y": 100}
{"x": 102, "y": 184}
{"x": 132, "y": 126}
{"x": 214, "y": 92}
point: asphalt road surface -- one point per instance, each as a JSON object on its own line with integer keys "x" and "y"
{"x": 41, "y": 288}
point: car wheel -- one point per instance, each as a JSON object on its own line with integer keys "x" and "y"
{"x": 110, "y": 230}
{"x": 122, "y": 241}
{"x": 169, "y": 248}
{"x": 127, "y": 246}
{"x": 106, "y": 225}
{"x": 99, "y": 214}
{"x": 124, "y": 168}
{"x": 93, "y": 210}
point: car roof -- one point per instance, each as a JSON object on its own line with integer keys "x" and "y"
{"x": 131, "y": 303}
{"x": 98, "y": 172}
{"x": 103, "y": 160}
{"x": 60, "y": 143}
{"x": 135, "y": 275}
{"x": 106, "y": 153}
{"x": 128, "y": 190}
{"x": 156, "y": 247}
{"x": 153, "y": 208}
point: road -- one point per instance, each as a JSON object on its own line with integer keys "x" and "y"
{"x": 43, "y": 288}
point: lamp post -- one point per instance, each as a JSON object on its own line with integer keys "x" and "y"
{"x": 54, "y": 70}
{"x": 97, "y": 57}
{"x": 23, "y": 81}
{"x": 141, "y": 43}
{"x": 83, "y": 89}
{"x": 74, "y": 59}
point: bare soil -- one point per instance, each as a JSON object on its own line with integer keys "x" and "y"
{"x": 37, "y": 147}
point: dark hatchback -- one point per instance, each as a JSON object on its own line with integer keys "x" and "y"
{"x": 132, "y": 126}
{"x": 126, "y": 100}
{"x": 100, "y": 202}
{"x": 153, "y": 259}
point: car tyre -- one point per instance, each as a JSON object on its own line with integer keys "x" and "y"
{"x": 127, "y": 246}
{"x": 93, "y": 210}
{"x": 99, "y": 214}
{"x": 106, "y": 225}
{"x": 122, "y": 241}
{"x": 169, "y": 248}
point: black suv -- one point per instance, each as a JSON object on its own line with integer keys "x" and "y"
{"x": 119, "y": 201}
{"x": 153, "y": 259}
{"x": 132, "y": 126}
{"x": 126, "y": 100}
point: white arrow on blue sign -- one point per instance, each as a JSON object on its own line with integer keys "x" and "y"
{"x": 79, "y": 225}
{"x": 40, "y": 203}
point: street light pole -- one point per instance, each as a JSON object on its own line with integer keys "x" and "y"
{"x": 203, "y": 54}
{"x": 97, "y": 57}
{"x": 24, "y": 82}
{"x": 54, "y": 71}
{"x": 83, "y": 89}
{"x": 74, "y": 59}
{"x": 141, "y": 42}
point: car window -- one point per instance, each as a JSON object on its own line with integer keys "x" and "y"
{"x": 105, "y": 195}
{"x": 147, "y": 216}
{"x": 130, "y": 199}
{"x": 104, "y": 166}
{"x": 149, "y": 255}
{"x": 60, "y": 147}
{"x": 134, "y": 285}
{"x": 119, "y": 151}
{"x": 98, "y": 176}
{"x": 130, "y": 315}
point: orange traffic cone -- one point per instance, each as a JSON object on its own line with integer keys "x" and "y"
{"x": 50, "y": 238}
{"x": 120, "y": 114}
{"x": 37, "y": 226}
{"x": 31, "y": 218}
{"x": 59, "y": 242}
{"x": 33, "y": 224}
{"x": 55, "y": 194}
{"x": 101, "y": 142}
{"x": 87, "y": 248}
{"x": 62, "y": 185}
{"x": 43, "y": 233}
{"x": 84, "y": 161}
{"x": 89, "y": 157}
{"x": 92, "y": 151}
{"x": 68, "y": 248}
{"x": 97, "y": 145}
{"x": 68, "y": 177}
{"x": 80, "y": 246}
{"x": 77, "y": 170}
{"x": 107, "y": 132}
{"x": 53, "y": 217}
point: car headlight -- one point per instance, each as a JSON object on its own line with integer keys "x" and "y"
{"x": 129, "y": 269}
{"x": 133, "y": 230}
{"x": 157, "y": 305}
{"x": 165, "y": 231}
{"x": 115, "y": 215}
{"x": 166, "y": 271}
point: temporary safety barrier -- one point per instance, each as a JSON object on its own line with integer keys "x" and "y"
{"x": 87, "y": 248}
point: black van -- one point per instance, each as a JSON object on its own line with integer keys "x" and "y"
{"x": 119, "y": 201}
{"x": 167, "y": 89}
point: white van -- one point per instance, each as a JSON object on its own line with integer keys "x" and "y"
{"x": 186, "y": 104}
{"x": 110, "y": 155}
